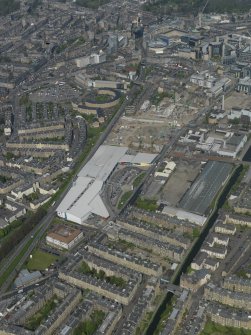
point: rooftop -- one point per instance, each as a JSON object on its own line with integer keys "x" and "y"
{"x": 84, "y": 197}
{"x": 64, "y": 234}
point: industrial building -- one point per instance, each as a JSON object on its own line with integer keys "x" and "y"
{"x": 64, "y": 237}
{"x": 221, "y": 142}
{"x": 215, "y": 86}
{"x": 244, "y": 115}
{"x": 26, "y": 278}
{"x": 166, "y": 170}
{"x": 244, "y": 85}
{"x": 83, "y": 199}
{"x": 203, "y": 190}
{"x": 118, "y": 85}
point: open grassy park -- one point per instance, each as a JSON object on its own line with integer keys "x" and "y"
{"x": 212, "y": 328}
{"x": 40, "y": 260}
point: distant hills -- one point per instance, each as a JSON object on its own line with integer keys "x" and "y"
{"x": 193, "y": 6}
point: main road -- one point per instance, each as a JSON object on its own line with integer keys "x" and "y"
{"x": 37, "y": 233}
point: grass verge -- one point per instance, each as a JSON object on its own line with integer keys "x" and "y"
{"x": 124, "y": 199}
{"x": 146, "y": 204}
{"x": 212, "y": 328}
{"x": 16, "y": 261}
{"x": 137, "y": 181}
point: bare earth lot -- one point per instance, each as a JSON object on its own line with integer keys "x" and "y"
{"x": 182, "y": 178}
{"x": 236, "y": 99}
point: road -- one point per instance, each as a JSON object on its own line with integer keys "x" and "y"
{"x": 29, "y": 287}
{"x": 41, "y": 228}
{"x": 37, "y": 232}
{"x": 127, "y": 309}
{"x": 149, "y": 174}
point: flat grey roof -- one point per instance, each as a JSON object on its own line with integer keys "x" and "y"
{"x": 203, "y": 190}
{"x": 184, "y": 215}
{"x": 103, "y": 162}
{"x": 84, "y": 196}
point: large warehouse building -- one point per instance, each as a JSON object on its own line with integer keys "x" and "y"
{"x": 83, "y": 199}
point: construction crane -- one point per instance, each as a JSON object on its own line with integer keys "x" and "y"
{"x": 201, "y": 12}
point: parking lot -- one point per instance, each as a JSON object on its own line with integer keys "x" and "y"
{"x": 56, "y": 93}
{"x": 120, "y": 181}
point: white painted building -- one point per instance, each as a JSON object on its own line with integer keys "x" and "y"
{"x": 64, "y": 237}
{"x": 237, "y": 113}
{"x": 83, "y": 199}
{"x": 169, "y": 168}
{"x": 203, "y": 79}
{"x": 233, "y": 145}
